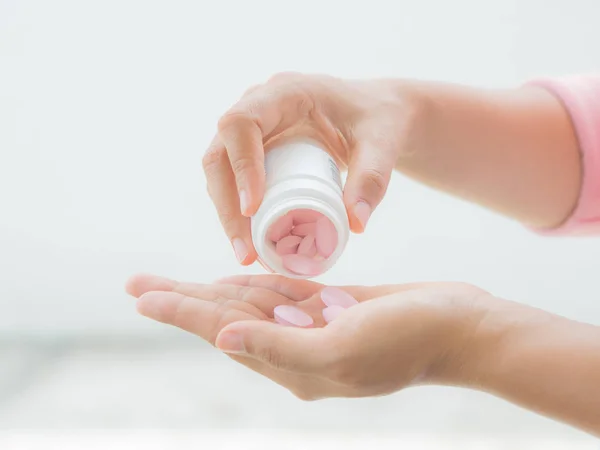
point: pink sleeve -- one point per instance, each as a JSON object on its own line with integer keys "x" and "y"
{"x": 581, "y": 97}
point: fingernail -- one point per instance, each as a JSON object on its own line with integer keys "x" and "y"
{"x": 244, "y": 201}
{"x": 291, "y": 316}
{"x": 240, "y": 249}
{"x": 159, "y": 306}
{"x": 230, "y": 342}
{"x": 333, "y": 296}
{"x": 332, "y": 312}
{"x": 362, "y": 211}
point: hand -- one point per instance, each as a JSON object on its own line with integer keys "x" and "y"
{"x": 398, "y": 335}
{"x": 363, "y": 124}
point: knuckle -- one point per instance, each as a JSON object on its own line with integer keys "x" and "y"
{"x": 375, "y": 181}
{"x": 211, "y": 158}
{"x": 251, "y": 90}
{"x": 209, "y": 191}
{"x": 243, "y": 163}
{"x": 232, "y": 118}
{"x": 221, "y": 312}
{"x": 284, "y": 77}
{"x": 227, "y": 218}
{"x": 294, "y": 88}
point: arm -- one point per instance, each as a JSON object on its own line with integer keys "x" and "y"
{"x": 396, "y": 336}
{"x": 531, "y": 153}
{"x": 545, "y": 363}
{"x": 518, "y": 152}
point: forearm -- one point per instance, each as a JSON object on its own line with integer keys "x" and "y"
{"x": 545, "y": 363}
{"x": 513, "y": 151}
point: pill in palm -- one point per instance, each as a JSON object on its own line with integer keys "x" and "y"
{"x": 332, "y": 312}
{"x": 288, "y": 245}
{"x": 333, "y": 296}
{"x": 292, "y": 316}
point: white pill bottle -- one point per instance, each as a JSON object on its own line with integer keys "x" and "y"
{"x": 300, "y": 175}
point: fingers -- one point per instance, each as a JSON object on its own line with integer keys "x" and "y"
{"x": 143, "y": 283}
{"x": 263, "y": 291}
{"x": 296, "y": 290}
{"x": 284, "y": 348}
{"x": 263, "y": 112}
{"x": 243, "y": 140}
{"x": 139, "y": 284}
{"x": 255, "y": 300}
{"x": 300, "y": 290}
{"x": 363, "y": 293}
{"x": 202, "y": 318}
{"x": 222, "y": 190}
{"x": 234, "y": 163}
{"x": 369, "y": 172}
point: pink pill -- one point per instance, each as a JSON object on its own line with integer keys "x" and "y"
{"x": 292, "y": 316}
{"x": 326, "y": 237}
{"x": 305, "y": 216}
{"x": 302, "y": 265}
{"x": 333, "y": 296}
{"x": 287, "y": 245}
{"x": 281, "y": 228}
{"x": 307, "y": 247}
{"x": 304, "y": 229}
{"x": 332, "y": 312}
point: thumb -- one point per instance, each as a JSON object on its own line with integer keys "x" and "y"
{"x": 281, "y": 347}
{"x": 369, "y": 172}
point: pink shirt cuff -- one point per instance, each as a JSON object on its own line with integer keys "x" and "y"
{"x": 581, "y": 97}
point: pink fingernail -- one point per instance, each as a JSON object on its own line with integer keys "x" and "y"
{"x": 240, "y": 249}
{"x": 333, "y": 296}
{"x": 332, "y": 312}
{"x": 362, "y": 211}
{"x": 292, "y": 316}
{"x": 244, "y": 201}
{"x": 230, "y": 342}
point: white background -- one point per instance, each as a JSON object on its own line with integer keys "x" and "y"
{"x": 106, "y": 108}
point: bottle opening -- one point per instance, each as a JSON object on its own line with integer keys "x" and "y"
{"x": 304, "y": 239}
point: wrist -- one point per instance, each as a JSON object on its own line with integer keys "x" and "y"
{"x": 499, "y": 328}
{"x": 412, "y": 106}
{"x": 465, "y": 327}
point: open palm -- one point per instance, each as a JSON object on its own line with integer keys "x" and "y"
{"x": 205, "y": 309}
{"x": 374, "y": 348}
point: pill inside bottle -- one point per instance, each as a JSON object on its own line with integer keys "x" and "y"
{"x": 304, "y": 239}
{"x": 301, "y": 227}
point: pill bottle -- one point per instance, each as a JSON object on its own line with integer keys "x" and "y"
{"x": 300, "y": 177}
